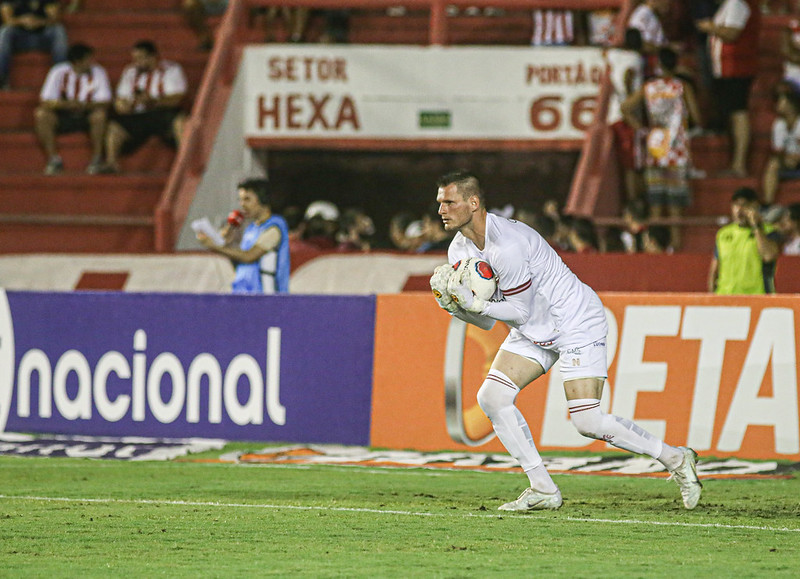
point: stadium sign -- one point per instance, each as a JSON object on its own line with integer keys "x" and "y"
{"x": 411, "y": 92}
{"x": 715, "y": 373}
{"x": 232, "y": 367}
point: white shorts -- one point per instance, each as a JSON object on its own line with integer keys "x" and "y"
{"x": 585, "y": 361}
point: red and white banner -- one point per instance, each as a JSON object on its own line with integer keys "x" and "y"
{"x": 391, "y": 92}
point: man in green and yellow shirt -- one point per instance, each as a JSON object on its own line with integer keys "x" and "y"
{"x": 745, "y": 251}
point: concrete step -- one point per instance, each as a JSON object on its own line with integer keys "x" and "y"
{"x": 23, "y": 155}
{"x": 167, "y": 29}
{"x": 63, "y": 236}
{"x": 80, "y": 194}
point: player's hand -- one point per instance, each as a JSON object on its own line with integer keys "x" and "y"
{"x": 441, "y": 276}
{"x": 461, "y": 293}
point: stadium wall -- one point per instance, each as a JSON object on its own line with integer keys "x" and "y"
{"x": 394, "y": 371}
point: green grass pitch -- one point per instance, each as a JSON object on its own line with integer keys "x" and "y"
{"x": 62, "y": 517}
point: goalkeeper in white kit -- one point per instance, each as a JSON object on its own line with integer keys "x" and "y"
{"x": 552, "y": 315}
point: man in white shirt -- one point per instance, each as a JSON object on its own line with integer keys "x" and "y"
{"x": 148, "y": 103}
{"x": 75, "y": 97}
{"x": 784, "y": 160}
{"x": 646, "y": 19}
{"x": 552, "y": 315}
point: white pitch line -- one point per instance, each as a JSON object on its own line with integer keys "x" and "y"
{"x": 393, "y": 512}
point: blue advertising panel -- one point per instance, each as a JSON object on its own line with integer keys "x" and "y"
{"x": 263, "y": 368}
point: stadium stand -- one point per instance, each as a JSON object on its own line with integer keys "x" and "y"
{"x": 141, "y": 210}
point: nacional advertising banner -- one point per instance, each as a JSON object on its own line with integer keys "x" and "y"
{"x": 283, "y": 368}
{"x": 715, "y": 373}
{"x": 391, "y": 92}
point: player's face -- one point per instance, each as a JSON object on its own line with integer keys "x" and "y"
{"x": 456, "y": 211}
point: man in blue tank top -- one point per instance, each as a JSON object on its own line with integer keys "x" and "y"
{"x": 262, "y": 258}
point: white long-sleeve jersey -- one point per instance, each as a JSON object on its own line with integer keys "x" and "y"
{"x": 537, "y": 293}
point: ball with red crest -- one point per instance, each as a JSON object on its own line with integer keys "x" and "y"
{"x": 479, "y": 275}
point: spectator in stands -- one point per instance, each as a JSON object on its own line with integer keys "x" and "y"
{"x": 148, "y": 103}
{"x": 262, "y": 258}
{"x": 75, "y": 97}
{"x": 790, "y": 50}
{"x": 546, "y": 227}
{"x": 670, "y": 105}
{"x": 582, "y": 236}
{"x": 295, "y": 20}
{"x": 656, "y": 239}
{"x": 337, "y": 27}
{"x": 784, "y": 160}
{"x": 635, "y": 218}
{"x": 553, "y": 28}
{"x": 356, "y": 231}
{"x": 321, "y": 224}
{"x": 30, "y": 25}
{"x": 434, "y": 236}
{"x": 733, "y": 36}
{"x": 197, "y": 12}
{"x": 526, "y": 215}
{"x": 601, "y": 26}
{"x": 745, "y": 251}
{"x": 398, "y": 226}
{"x": 702, "y": 10}
{"x": 646, "y": 18}
{"x": 626, "y": 72}
{"x": 789, "y": 227}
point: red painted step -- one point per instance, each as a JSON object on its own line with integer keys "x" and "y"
{"x": 62, "y": 238}
{"x": 23, "y": 155}
{"x": 80, "y": 194}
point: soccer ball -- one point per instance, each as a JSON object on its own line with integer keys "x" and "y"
{"x": 479, "y": 275}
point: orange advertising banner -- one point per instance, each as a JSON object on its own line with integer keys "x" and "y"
{"x": 715, "y": 373}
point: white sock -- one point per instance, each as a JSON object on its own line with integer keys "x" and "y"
{"x": 620, "y": 432}
{"x": 496, "y": 399}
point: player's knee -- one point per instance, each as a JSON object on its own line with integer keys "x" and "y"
{"x": 588, "y": 422}
{"x": 496, "y": 393}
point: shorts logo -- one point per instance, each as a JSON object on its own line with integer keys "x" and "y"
{"x": 576, "y": 361}
{"x": 576, "y": 351}
{"x": 598, "y": 344}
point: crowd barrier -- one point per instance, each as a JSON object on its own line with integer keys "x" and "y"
{"x": 394, "y": 371}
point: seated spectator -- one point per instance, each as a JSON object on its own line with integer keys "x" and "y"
{"x": 546, "y": 227}
{"x": 356, "y": 231}
{"x": 582, "y": 236}
{"x": 434, "y": 236}
{"x": 635, "y": 218}
{"x": 784, "y": 160}
{"x": 148, "y": 103}
{"x": 525, "y": 215}
{"x": 30, "y": 25}
{"x": 321, "y": 222}
{"x": 75, "y": 97}
{"x": 553, "y": 28}
{"x": 611, "y": 241}
{"x": 656, "y": 239}
{"x": 789, "y": 227}
{"x": 399, "y": 226}
{"x": 197, "y": 12}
